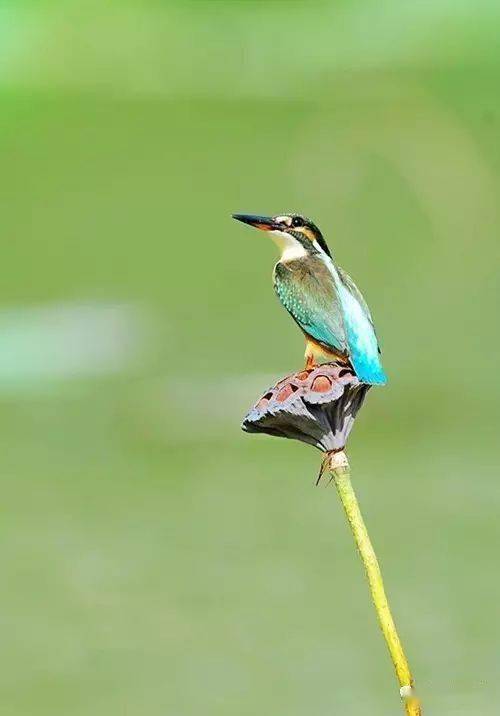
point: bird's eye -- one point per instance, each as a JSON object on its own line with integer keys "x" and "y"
{"x": 296, "y": 221}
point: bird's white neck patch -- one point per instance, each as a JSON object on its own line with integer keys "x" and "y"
{"x": 289, "y": 246}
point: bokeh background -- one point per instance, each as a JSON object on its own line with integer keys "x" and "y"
{"x": 156, "y": 560}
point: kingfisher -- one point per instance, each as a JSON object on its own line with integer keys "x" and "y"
{"x": 321, "y": 297}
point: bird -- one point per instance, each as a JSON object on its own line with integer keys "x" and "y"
{"x": 321, "y": 297}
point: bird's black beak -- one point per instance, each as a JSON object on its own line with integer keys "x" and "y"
{"x": 266, "y": 223}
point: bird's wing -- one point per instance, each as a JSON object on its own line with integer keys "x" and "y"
{"x": 347, "y": 280}
{"x": 308, "y": 292}
{"x": 361, "y": 337}
{"x": 354, "y": 290}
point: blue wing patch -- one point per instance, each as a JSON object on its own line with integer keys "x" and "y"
{"x": 363, "y": 344}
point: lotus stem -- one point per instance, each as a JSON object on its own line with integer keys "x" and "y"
{"x": 337, "y": 464}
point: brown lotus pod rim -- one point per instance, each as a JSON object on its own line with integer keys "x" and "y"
{"x": 315, "y": 405}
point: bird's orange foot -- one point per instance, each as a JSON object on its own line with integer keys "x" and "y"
{"x": 310, "y": 363}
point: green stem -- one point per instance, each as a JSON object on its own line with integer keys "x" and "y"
{"x": 338, "y": 465}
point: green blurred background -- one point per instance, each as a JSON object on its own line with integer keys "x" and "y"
{"x": 156, "y": 560}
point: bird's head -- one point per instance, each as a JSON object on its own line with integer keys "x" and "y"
{"x": 295, "y": 235}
